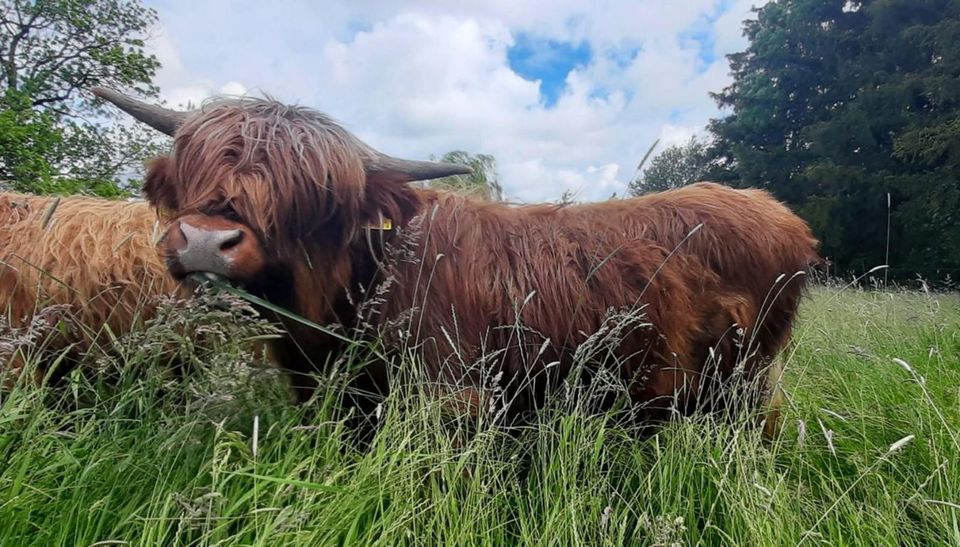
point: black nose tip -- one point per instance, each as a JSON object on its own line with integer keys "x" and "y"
{"x": 231, "y": 240}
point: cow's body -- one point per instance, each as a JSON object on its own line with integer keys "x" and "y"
{"x": 537, "y": 281}
{"x": 93, "y": 265}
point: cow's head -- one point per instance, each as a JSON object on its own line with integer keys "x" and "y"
{"x": 254, "y": 188}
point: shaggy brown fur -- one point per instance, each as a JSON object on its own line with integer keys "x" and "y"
{"x": 295, "y": 183}
{"x": 95, "y": 262}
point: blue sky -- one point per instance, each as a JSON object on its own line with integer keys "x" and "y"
{"x": 566, "y": 94}
{"x": 548, "y": 62}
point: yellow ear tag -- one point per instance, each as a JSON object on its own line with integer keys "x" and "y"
{"x": 385, "y": 224}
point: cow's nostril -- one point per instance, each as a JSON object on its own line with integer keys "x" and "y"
{"x": 231, "y": 239}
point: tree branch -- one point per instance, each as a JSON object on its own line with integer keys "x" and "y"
{"x": 11, "y": 63}
{"x": 60, "y": 59}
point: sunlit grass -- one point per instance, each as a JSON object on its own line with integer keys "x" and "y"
{"x": 869, "y": 455}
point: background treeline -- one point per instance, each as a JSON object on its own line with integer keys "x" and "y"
{"x": 846, "y": 110}
{"x": 54, "y": 137}
{"x": 835, "y": 105}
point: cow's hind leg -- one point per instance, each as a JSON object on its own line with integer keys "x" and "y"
{"x": 773, "y": 400}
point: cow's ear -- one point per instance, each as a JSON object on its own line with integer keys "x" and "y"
{"x": 159, "y": 187}
{"x": 388, "y": 203}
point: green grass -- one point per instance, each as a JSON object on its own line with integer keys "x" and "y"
{"x": 174, "y": 466}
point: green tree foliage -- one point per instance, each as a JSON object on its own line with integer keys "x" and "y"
{"x": 483, "y": 183}
{"x": 676, "y": 166}
{"x": 835, "y": 104}
{"x": 54, "y": 136}
{"x": 28, "y": 138}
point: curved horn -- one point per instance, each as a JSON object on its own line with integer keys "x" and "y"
{"x": 377, "y": 165}
{"x": 396, "y": 169}
{"x": 162, "y": 119}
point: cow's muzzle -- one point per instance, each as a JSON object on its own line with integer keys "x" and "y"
{"x": 212, "y": 245}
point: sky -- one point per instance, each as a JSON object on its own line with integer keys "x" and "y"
{"x": 567, "y": 95}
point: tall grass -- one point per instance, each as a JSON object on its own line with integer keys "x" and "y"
{"x": 869, "y": 455}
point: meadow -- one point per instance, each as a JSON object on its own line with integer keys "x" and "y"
{"x": 869, "y": 453}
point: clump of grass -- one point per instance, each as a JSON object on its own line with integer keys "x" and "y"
{"x": 868, "y": 454}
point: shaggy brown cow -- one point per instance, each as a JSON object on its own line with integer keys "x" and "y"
{"x": 289, "y": 204}
{"x": 91, "y": 262}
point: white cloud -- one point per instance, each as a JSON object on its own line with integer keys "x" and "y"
{"x": 233, "y": 88}
{"x": 673, "y": 135}
{"x": 429, "y": 77}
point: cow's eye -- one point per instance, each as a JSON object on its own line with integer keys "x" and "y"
{"x": 229, "y": 213}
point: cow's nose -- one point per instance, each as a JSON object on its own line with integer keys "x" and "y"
{"x": 207, "y": 250}
{"x": 228, "y": 239}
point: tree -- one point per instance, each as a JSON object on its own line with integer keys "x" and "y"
{"x": 27, "y": 139}
{"x": 676, "y": 166}
{"x": 56, "y": 138}
{"x": 484, "y": 182}
{"x": 837, "y": 103}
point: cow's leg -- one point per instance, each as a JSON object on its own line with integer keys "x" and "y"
{"x": 770, "y": 418}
